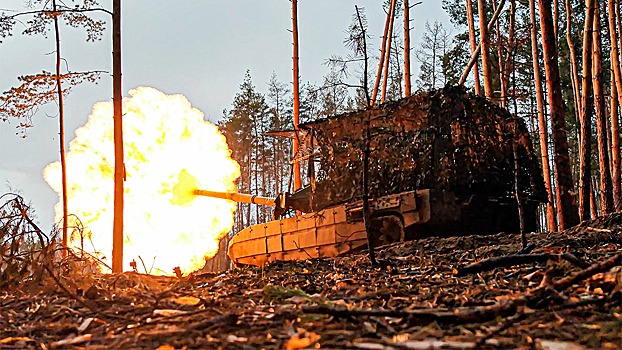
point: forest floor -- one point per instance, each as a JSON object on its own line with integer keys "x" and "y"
{"x": 563, "y": 292}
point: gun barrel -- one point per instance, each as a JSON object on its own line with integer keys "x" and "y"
{"x": 237, "y": 197}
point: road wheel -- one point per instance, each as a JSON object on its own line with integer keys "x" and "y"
{"x": 386, "y": 230}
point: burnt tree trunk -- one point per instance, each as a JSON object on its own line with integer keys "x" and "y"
{"x": 585, "y": 117}
{"x": 606, "y": 198}
{"x": 566, "y": 207}
{"x": 542, "y": 123}
{"x": 221, "y": 261}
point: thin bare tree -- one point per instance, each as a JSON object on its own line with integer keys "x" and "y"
{"x": 61, "y": 126}
{"x": 296, "y": 91}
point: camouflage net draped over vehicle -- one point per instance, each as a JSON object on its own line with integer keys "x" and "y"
{"x": 445, "y": 139}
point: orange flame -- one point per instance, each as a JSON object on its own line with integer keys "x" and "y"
{"x": 167, "y": 143}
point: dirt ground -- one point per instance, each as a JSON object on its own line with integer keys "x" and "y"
{"x": 566, "y": 293}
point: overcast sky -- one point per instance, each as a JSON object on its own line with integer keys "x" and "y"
{"x": 199, "y": 48}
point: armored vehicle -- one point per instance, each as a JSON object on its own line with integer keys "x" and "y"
{"x": 443, "y": 162}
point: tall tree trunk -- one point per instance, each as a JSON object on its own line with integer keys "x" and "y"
{"x": 383, "y": 50}
{"x": 483, "y": 29}
{"x": 574, "y": 63}
{"x": 500, "y": 56}
{"x": 387, "y": 59}
{"x": 296, "y": 79}
{"x": 119, "y": 164}
{"x": 615, "y": 147}
{"x": 593, "y": 205}
{"x": 585, "y": 118}
{"x": 61, "y": 126}
{"x": 606, "y": 197}
{"x": 619, "y": 20}
{"x": 509, "y": 68}
{"x": 473, "y": 43}
{"x": 478, "y": 50}
{"x": 407, "y": 84}
{"x": 566, "y": 207}
{"x": 542, "y": 124}
{"x": 616, "y": 99}
{"x": 556, "y": 19}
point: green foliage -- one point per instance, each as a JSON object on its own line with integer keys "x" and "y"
{"x": 245, "y": 127}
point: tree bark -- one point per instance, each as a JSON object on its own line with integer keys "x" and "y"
{"x": 296, "y": 79}
{"x": 616, "y": 99}
{"x": 61, "y": 126}
{"x": 606, "y": 198}
{"x": 407, "y": 84}
{"x": 585, "y": 118}
{"x": 119, "y": 165}
{"x": 509, "y": 66}
{"x": 566, "y": 207}
{"x": 387, "y": 60}
{"x": 473, "y": 43}
{"x": 502, "y": 73}
{"x": 542, "y": 123}
{"x": 383, "y": 50}
{"x": 481, "y": 4}
{"x": 556, "y": 19}
{"x": 615, "y": 147}
{"x": 574, "y": 65}
{"x": 478, "y": 50}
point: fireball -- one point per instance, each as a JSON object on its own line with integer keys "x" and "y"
{"x": 166, "y": 141}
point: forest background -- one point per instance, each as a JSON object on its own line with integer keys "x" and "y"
{"x": 566, "y": 87}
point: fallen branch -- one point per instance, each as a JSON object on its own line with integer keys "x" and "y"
{"x": 225, "y": 320}
{"x": 588, "y": 272}
{"x": 503, "y": 308}
{"x": 517, "y": 259}
{"x": 458, "y": 316}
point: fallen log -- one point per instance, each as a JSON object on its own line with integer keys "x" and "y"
{"x": 517, "y": 259}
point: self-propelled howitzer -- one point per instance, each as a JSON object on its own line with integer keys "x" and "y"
{"x": 325, "y": 233}
{"x": 443, "y": 162}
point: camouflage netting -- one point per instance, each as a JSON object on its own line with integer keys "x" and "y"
{"x": 445, "y": 139}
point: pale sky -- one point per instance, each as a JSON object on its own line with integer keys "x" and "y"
{"x": 198, "y": 48}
